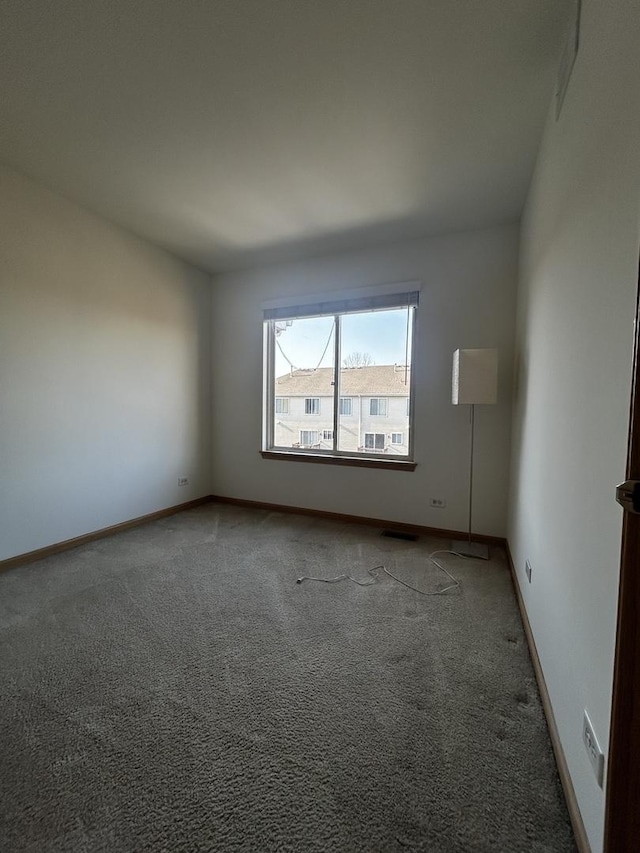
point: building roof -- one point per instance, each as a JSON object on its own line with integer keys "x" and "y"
{"x": 379, "y": 380}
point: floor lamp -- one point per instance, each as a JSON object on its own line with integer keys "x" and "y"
{"x": 474, "y": 382}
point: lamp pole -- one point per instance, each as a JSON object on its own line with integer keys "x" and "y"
{"x": 473, "y": 420}
{"x": 474, "y": 380}
{"x": 466, "y": 547}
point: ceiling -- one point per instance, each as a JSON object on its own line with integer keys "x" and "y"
{"x": 242, "y": 132}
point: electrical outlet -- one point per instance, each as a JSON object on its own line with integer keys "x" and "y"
{"x": 437, "y": 503}
{"x": 527, "y": 568}
{"x": 183, "y": 481}
{"x": 596, "y": 756}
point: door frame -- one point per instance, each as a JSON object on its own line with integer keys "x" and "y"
{"x": 622, "y": 816}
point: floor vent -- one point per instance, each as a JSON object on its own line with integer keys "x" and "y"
{"x": 400, "y": 534}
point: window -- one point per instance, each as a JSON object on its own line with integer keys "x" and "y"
{"x": 308, "y": 437}
{"x": 346, "y": 359}
{"x": 374, "y": 441}
{"x": 378, "y": 406}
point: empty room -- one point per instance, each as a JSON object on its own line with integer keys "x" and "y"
{"x": 319, "y": 435}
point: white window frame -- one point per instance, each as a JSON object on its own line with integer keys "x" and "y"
{"x": 282, "y": 411}
{"x": 348, "y": 400}
{"x": 338, "y": 304}
{"x": 375, "y": 435}
{"x": 327, "y": 435}
{"x": 378, "y": 400}
{"x": 309, "y": 432}
{"x": 312, "y": 401}
{"x": 393, "y": 438}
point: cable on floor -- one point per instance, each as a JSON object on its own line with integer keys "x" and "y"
{"x": 375, "y": 574}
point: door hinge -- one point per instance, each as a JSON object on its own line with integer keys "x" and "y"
{"x": 628, "y": 495}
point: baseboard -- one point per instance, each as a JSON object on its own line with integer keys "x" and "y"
{"x": 418, "y": 529}
{"x": 582, "y": 841}
{"x": 58, "y": 547}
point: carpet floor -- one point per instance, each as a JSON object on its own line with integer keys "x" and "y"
{"x": 172, "y": 688}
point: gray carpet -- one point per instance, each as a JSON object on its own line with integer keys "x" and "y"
{"x": 173, "y": 689}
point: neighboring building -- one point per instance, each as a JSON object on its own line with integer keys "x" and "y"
{"x": 374, "y": 409}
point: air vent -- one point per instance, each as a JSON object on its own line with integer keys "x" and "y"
{"x": 400, "y": 534}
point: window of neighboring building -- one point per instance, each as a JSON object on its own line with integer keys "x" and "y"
{"x": 396, "y": 438}
{"x": 374, "y": 440}
{"x": 308, "y": 437}
{"x": 346, "y": 405}
{"x": 378, "y": 406}
{"x": 343, "y": 359}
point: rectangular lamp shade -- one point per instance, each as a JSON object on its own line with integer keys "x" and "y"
{"x": 475, "y": 376}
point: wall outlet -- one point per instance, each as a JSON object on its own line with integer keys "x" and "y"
{"x": 527, "y": 568}
{"x": 183, "y": 481}
{"x": 437, "y": 503}
{"x": 596, "y": 755}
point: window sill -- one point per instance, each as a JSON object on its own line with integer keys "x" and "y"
{"x": 350, "y": 461}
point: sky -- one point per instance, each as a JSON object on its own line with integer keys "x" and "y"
{"x": 382, "y": 334}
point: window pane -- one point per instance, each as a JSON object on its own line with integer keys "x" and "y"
{"x": 303, "y": 359}
{"x": 309, "y": 438}
{"x": 346, "y": 405}
{"x": 374, "y": 441}
{"x": 375, "y": 374}
{"x": 378, "y": 406}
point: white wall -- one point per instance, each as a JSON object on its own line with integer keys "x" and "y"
{"x": 467, "y": 300}
{"x": 104, "y": 372}
{"x": 579, "y": 270}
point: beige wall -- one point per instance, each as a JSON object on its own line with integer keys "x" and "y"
{"x": 104, "y": 372}
{"x": 579, "y": 270}
{"x": 467, "y": 300}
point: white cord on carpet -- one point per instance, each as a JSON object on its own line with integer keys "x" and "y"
{"x": 374, "y": 572}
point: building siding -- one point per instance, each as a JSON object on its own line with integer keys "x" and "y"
{"x": 352, "y": 428}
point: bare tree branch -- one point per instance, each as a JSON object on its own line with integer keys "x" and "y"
{"x": 358, "y": 359}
